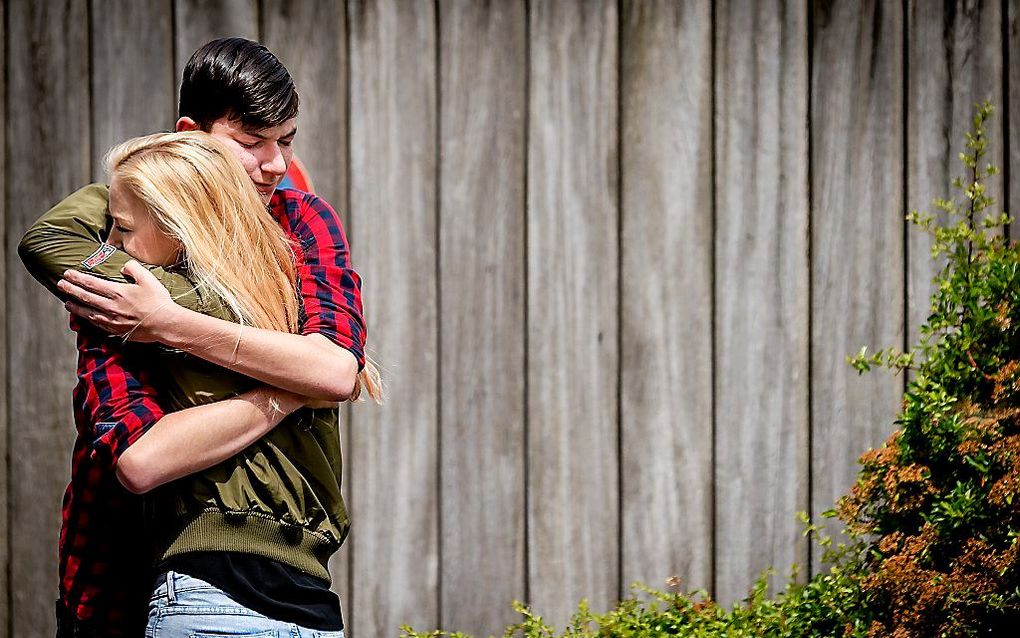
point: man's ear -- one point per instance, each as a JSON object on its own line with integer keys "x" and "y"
{"x": 186, "y": 124}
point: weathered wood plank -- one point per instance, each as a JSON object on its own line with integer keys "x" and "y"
{"x": 666, "y": 350}
{"x": 5, "y": 488}
{"x": 48, "y": 134}
{"x": 1011, "y": 109}
{"x": 482, "y": 122}
{"x": 199, "y": 21}
{"x": 310, "y": 38}
{"x": 955, "y": 60}
{"x": 133, "y": 79}
{"x": 573, "y": 350}
{"x": 393, "y": 449}
{"x": 761, "y": 292}
{"x": 857, "y": 279}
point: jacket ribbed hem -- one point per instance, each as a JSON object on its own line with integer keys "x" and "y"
{"x": 254, "y": 533}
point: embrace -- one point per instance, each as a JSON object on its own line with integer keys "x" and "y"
{"x": 219, "y": 324}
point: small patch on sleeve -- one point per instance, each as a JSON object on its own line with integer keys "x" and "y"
{"x": 104, "y": 252}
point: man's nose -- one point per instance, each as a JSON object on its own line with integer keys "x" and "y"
{"x": 274, "y": 162}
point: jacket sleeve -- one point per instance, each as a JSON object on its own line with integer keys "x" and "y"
{"x": 70, "y": 235}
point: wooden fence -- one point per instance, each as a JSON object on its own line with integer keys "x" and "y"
{"x": 614, "y": 252}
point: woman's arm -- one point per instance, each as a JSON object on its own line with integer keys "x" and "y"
{"x": 132, "y": 434}
{"x": 317, "y": 363}
{"x": 310, "y": 365}
{"x": 185, "y": 442}
{"x": 70, "y": 236}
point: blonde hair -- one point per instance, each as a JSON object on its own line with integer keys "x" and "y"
{"x": 199, "y": 194}
{"x": 369, "y": 380}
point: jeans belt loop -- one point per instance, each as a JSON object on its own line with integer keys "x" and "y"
{"x": 171, "y": 595}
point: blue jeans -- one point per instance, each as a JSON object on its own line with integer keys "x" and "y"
{"x": 186, "y": 607}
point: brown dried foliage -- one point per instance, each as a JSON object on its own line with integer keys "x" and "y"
{"x": 931, "y": 583}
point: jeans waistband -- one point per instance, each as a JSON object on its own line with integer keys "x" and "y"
{"x": 166, "y": 586}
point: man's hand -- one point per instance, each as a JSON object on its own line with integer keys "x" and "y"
{"x": 137, "y": 311}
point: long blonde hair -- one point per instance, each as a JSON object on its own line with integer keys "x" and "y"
{"x": 199, "y": 194}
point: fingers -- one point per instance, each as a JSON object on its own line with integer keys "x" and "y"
{"x": 83, "y": 295}
{"x": 92, "y": 283}
{"x": 92, "y": 315}
{"x": 100, "y": 320}
{"x": 135, "y": 270}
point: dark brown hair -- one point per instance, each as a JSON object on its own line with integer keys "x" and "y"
{"x": 240, "y": 79}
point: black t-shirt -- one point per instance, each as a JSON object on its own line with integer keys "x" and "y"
{"x": 274, "y": 589}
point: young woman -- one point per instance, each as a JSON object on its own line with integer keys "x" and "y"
{"x": 260, "y": 524}
{"x": 183, "y": 199}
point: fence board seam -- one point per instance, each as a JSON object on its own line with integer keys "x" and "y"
{"x": 714, "y": 303}
{"x": 1006, "y": 155}
{"x": 809, "y": 366}
{"x": 905, "y": 176}
{"x": 620, "y": 585}
{"x": 437, "y": 203}
{"x": 525, "y": 299}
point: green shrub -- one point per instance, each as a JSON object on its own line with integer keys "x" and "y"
{"x": 934, "y": 515}
{"x": 938, "y": 501}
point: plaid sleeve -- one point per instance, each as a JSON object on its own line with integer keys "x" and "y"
{"x": 330, "y": 288}
{"x": 114, "y": 398}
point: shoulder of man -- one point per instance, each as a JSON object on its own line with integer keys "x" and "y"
{"x": 301, "y": 208}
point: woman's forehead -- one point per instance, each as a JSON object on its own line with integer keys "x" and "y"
{"x": 124, "y": 205}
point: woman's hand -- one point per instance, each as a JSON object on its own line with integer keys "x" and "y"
{"x": 137, "y": 311}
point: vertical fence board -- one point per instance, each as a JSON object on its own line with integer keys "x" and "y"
{"x": 1011, "y": 110}
{"x": 666, "y": 353}
{"x": 481, "y": 454}
{"x": 5, "y": 342}
{"x": 955, "y": 60}
{"x": 393, "y": 218}
{"x": 761, "y": 292}
{"x": 132, "y": 73}
{"x": 856, "y": 232}
{"x": 48, "y": 157}
{"x": 310, "y": 38}
{"x": 199, "y": 21}
{"x": 573, "y": 502}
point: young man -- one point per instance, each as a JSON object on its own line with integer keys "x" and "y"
{"x": 239, "y": 92}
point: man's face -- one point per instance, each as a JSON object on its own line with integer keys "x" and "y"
{"x": 264, "y": 153}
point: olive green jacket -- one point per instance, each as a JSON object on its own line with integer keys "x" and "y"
{"x": 279, "y": 498}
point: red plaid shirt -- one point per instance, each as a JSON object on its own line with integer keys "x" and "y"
{"x": 103, "y": 559}
{"x": 104, "y": 564}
